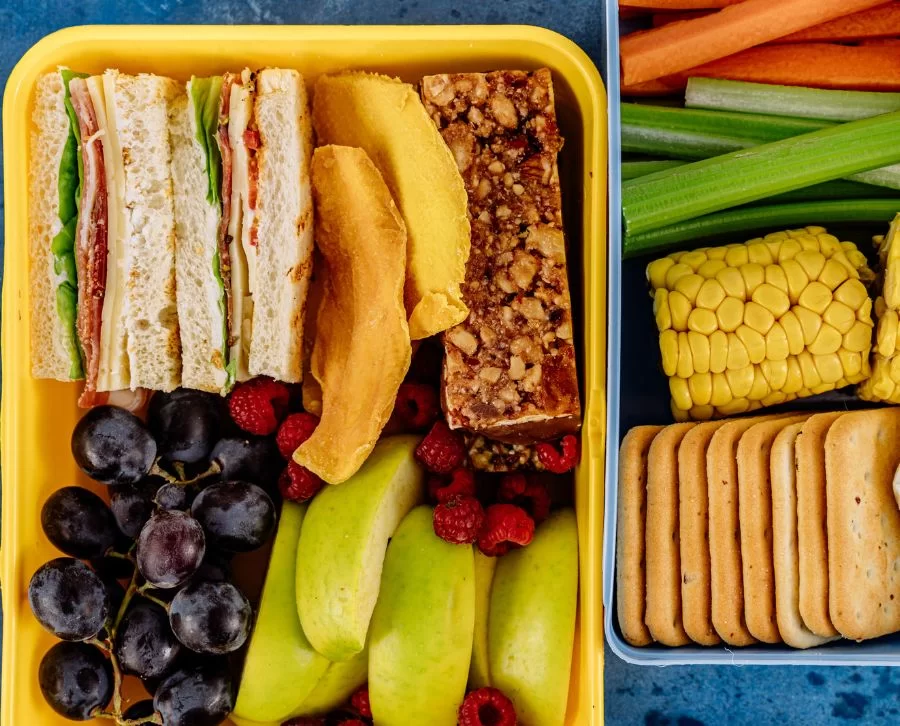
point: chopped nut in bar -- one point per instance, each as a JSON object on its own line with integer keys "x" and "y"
{"x": 510, "y": 370}
{"x": 497, "y": 457}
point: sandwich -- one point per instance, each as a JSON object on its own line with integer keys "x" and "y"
{"x": 241, "y": 149}
{"x": 102, "y": 243}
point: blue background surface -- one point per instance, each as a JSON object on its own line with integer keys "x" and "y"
{"x": 674, "y": 696}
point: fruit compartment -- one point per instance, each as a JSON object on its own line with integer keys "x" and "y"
{"x": 37, "y": 417}
{"x": 638, "y": 393}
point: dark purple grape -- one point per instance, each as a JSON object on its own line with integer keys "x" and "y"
{"x": 78, "y": 522}
{"x": 112, "y": 446}
{"x": 237, "y": 516}
{"x": 254, "y": 459}
{"x": 170, "y": 549}
{"x": 115, "y": 592}
{"x": 210, "y": 617}
{"x": 132, "y": 504}
{"x": 145, "y": 645}
{"x": 139, "y": 710}
{"x": 76, "y": 680}
{"x": 201, "y": 695}
{"x": 185, "y": 423}
{"x": 69, "y": 599}
{"x": 216, "y": 566}
{"x": 173, "y": 496}
{"x": 113, "y": 568}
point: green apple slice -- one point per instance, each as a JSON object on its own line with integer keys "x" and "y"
{"x": 343, "y": 542}
{"x": 531, "y": 630}
{"x": 421, "y": 640}
{"x": 282, "y": 668}
{"x": 480, "y": 671}
{"x": 340, "y": 681}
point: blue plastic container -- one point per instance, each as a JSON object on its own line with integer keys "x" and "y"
{"x": 638, "y": 394}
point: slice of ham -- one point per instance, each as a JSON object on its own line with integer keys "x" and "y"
{"x": 253, "y": 142}
{"x": 224, "y": 240}
{"x": 135, "y": 401}
{"x": 91, "y": 242}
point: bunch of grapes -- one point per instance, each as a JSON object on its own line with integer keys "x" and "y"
{"x": 187, "y": 491}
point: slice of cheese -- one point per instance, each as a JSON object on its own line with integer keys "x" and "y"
{"x": 114, "y": 372}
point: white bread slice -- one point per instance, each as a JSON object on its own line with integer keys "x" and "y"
{"x": 285, "y": 218}
{"x": 49, "y": 356}
{"x": 142, "y": 108}
{"x": 200, "y": 318}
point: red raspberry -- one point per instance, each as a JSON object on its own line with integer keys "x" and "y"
{"x": 417, "y": 405}
{"x": 304, "y": 721}
{"x": 487, "y": 707}
{"x": 258, "y": 405}
{"x": 442, "y": 450}
{"x": 461, "y": 484}
{"x": 505, "y": 525}
{"x": 297, "y": 483}
{"x": 360, "y": 701}
{"x": 294, "y": 430}
{"x": 556, "y": 461}
{"x": 519, "y": 489}
{"x": 459, "y": 520}
{"x": 352, "y": 722}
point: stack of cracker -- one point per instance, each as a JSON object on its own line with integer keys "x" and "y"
{"x": 773, "y": 529}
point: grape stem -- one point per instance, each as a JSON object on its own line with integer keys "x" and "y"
{"x": 157, "y": 470}
{"x": 142, "y": 591}
{"x": 156, "y": 718}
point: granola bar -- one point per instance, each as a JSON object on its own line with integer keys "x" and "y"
{"x": 509, "y": 370}
{"x": 498, "y": 457}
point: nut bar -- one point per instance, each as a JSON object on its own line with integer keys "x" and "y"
{"x": 509, "y": 370}
{"x": 497, "y": 457}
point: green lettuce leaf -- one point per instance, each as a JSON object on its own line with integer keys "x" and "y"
{"x": 71, "y": 175}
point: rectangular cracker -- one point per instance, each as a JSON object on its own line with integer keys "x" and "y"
{"x": 693, "y": 526}
{"x": 663, "y": 615}
{"x": 862, "y": 451}
{"x": 755, "y": 512}
{"x": 630, "y": 547}
{"x": 812, "y": 535}
{"x": 786, "y": 558}
{"x": 725, "y": 569}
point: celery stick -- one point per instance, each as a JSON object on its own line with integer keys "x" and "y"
{"x": 769, "y": 217}
{"x": 815, "y": 103}
{"x": 635, "y": 169}
{"x": 692, "y": 190}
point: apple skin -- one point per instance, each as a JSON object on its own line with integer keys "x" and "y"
{"x": 531, "y": 629}
{"x": 281, "y": 668}
{"x": 334, "y": 689}
{"x": 343, "y": 543}
{"x": 480, "y": 670}
{"x": 421, "y": 640}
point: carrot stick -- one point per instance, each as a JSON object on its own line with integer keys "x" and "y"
{"x": 816, "y": 65}
{"x": 878, "y": 22}
{"x": 661, "y": 19}
{"x": 677, "y": 4}
{"x": 690, "y": 43}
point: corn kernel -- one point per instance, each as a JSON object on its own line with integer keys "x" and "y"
{"x": 737, "y": 353}
{"x": 815, "y": 297}
{"x": 883, "y": 387}
{"x": 821, "y": 388}
{"x": 699, "y": 351}
{"x": 828, "y": 340}
{"x": 668, "y": 349}
{"x": 777, "y": 348}
{"x": 776, "y": 278}
{"x": 730, "y": 314}
{"x": 680, "y": 308}
{"x": 758, "y": 317}
{"x": 829, "y": 244}
{"x": 709, "y": 268}
{"x": 693, "y": 259}
{"x": 740, "y": 381}
{"x": 760, "y": 388}
{"x": 829, "y": 368}
{"x": 864, "y": 314}
{"x": 702, "y": 321}
{"x": 794, "y": 381}
{"x": 754, "y": 275}
{"x": 789, "y": 249}
{"x": 736, "y": 256}
{"x": 680, "y": 415}
{"x": 773, "y": 246}
{"x": 887, "y": 333}
{"x": 661, "y": 309}
{"x": 773, "y": 299}
{"x": 700, "y": 387}
{"x": 796, "y": 279}
{"x": 718, "y": 352}
{"x": 809, "y": 322}
{"x": 681, "y": 395}
{"x": 721, "y": 391}
{"x": 779, "y": 236}
{"x": 794, "y": 331}
{"x": 716, "y": 253}
{"x": 732, "y": 282}
{"x": 833, "y": 274}
{"x": 710, "y": 295}
{"x": 852, "y": 293}
{"x": 774, "y": 398}
{"x": 808, "y": 243}
{"x": 880, "y": 306}
{"x": 685, "y": 366}
{"x": 811, "y": 377}
{"x": 843, "y": 260}
{"x": 689, "y": 286}
{"x": 839, "y": 316}
{"x": 895, "y": 369}
{"x": 811, "y": 262}
{"x": 702, "y": 413}
{"x": 851, "y": 363}
{"x": 740, "y": 405}
{"x": 776, "y": 373}
{"x": 859, "y": 338}
{"x": 759, "y": 253}
{"x": 754, "y": 342}
{"x": 814, "y": 229}
{"x": 675, "y": 273}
